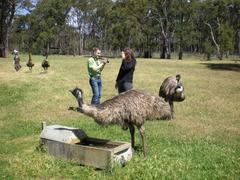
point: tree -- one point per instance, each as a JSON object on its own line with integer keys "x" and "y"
{"x": 208, "y": 49}
{"x": 46, "y": 21}
{"x": 122, "y": 26}
{"x": 226, "y": 39}
{"x": 183, "y": 17}
{"x": 146, "y": 26}
{"x": 161, "y": 12}
{"x": 7, "y": 11}
{"x": 216, "y": 21}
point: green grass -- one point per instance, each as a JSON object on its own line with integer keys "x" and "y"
{"x": 202, "y": 142}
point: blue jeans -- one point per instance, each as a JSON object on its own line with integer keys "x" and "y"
{"x": 124, "y": 86}
{"x": 96, "y": 85}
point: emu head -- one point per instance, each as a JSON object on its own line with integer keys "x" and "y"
{"x": 15, "y": 52}
{"x": 179, "y": 94}
{"x": 172, "y": 89}
{"x": 78, "y": 94}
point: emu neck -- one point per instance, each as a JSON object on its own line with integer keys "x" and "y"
{"x": 80, "y": 102}
{"x": 91, "y": 111}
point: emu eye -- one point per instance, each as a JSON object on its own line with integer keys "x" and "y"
{"x": 179, "y": 89}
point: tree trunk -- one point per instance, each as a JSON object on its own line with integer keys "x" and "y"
{"x": 180, "y": 54}
{"x": 219, "y": 54}
{"x": 163, "y": 52}
{"x": 3, "y": 46}
{"x": 3, "y": 38}
{"x": 29, "y": 56}
{"x": 47, "y": 50}
{"x": 208, "y": 56}
{"x": 80, "y": 43}
{"x": 7, "y": 11}
{"x": 238, "y": 39}
{"x": 168, "y": 49}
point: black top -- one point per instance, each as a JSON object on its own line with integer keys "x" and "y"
{"x": 126, "y": 71}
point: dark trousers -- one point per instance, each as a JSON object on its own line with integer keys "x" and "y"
{"x": 96, "y": 85}
{"x": 124, "y": 86}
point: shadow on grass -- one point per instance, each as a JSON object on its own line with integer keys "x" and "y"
{"x": 223, "y": 66}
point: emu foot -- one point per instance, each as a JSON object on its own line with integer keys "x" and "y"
{"x": 137, "y": 148}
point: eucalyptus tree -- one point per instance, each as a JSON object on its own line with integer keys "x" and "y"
{"x": 78, "y": 19}
{"x": 184, "y": 34}
{"x": 233, "y": 21}
{"x": 23, "y": 34}
{"x": 8, "y": 10}
{"x": 162, "y": 13}
{"x": 47, "y": 20}
{"x": 215, "y": 18}
{"x": 143, "y": 33}
{"x": 122, "y": 26}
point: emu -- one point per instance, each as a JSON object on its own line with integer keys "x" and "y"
{"x": 172, "y": 90}
{"x": 30, "y": 64}
{"x": 45, "y": 64}
{"x": 16, "y": 61}
{"x": 128, "y": 109}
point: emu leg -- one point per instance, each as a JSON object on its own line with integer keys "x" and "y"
{"x": 171, "y": 107}
{"x": 132, "y": 132}
{"x": 141, "y": 130}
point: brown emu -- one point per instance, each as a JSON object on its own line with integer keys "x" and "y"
{"x": 128, "y": 109}
{"x": 45, "y": 64}
{"x": 30, "y": 64}
{"x": 172, "y": 90}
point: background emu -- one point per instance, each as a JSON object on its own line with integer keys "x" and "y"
{"x": 45, "y": 64}
{"x": 16, "y": 61}
{"x": 128, "y": 109}
{"x": 30, "y": 64}
{"x": 172, "y": 90}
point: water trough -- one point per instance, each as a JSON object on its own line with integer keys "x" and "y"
{"x": 75, "y": 145}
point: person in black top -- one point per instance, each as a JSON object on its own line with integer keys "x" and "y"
{"x": 125, "y": 76}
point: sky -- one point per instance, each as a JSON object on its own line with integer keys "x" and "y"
{"x": 23, "y": 11}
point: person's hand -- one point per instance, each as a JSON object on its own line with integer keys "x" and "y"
{"x": 105, "y": 61}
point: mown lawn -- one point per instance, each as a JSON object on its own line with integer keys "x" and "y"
{"x": 202, "y": 142}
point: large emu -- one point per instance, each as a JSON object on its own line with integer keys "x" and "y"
{"x": 128, "y": 109}
{"x": 172, "y": 90}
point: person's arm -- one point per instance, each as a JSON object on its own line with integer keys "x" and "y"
{"x": 119, "y": 76}
{"x": 104, "y": 62}
{"x": 119, "y": 72}
{"x": 94, "y": 66}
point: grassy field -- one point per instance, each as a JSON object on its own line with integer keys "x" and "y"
{"x": 202, "y": 142}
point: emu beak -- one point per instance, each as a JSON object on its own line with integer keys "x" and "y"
{"x": 71, "y": 91}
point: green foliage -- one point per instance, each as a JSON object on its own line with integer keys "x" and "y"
{"x": 208, "y": 49}
{"x": 47, "y": 20}
{"x": 226, "y": 39}
{"x": 146, "y": 26}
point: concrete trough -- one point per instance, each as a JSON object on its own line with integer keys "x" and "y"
{"x": 73, "y": 144}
